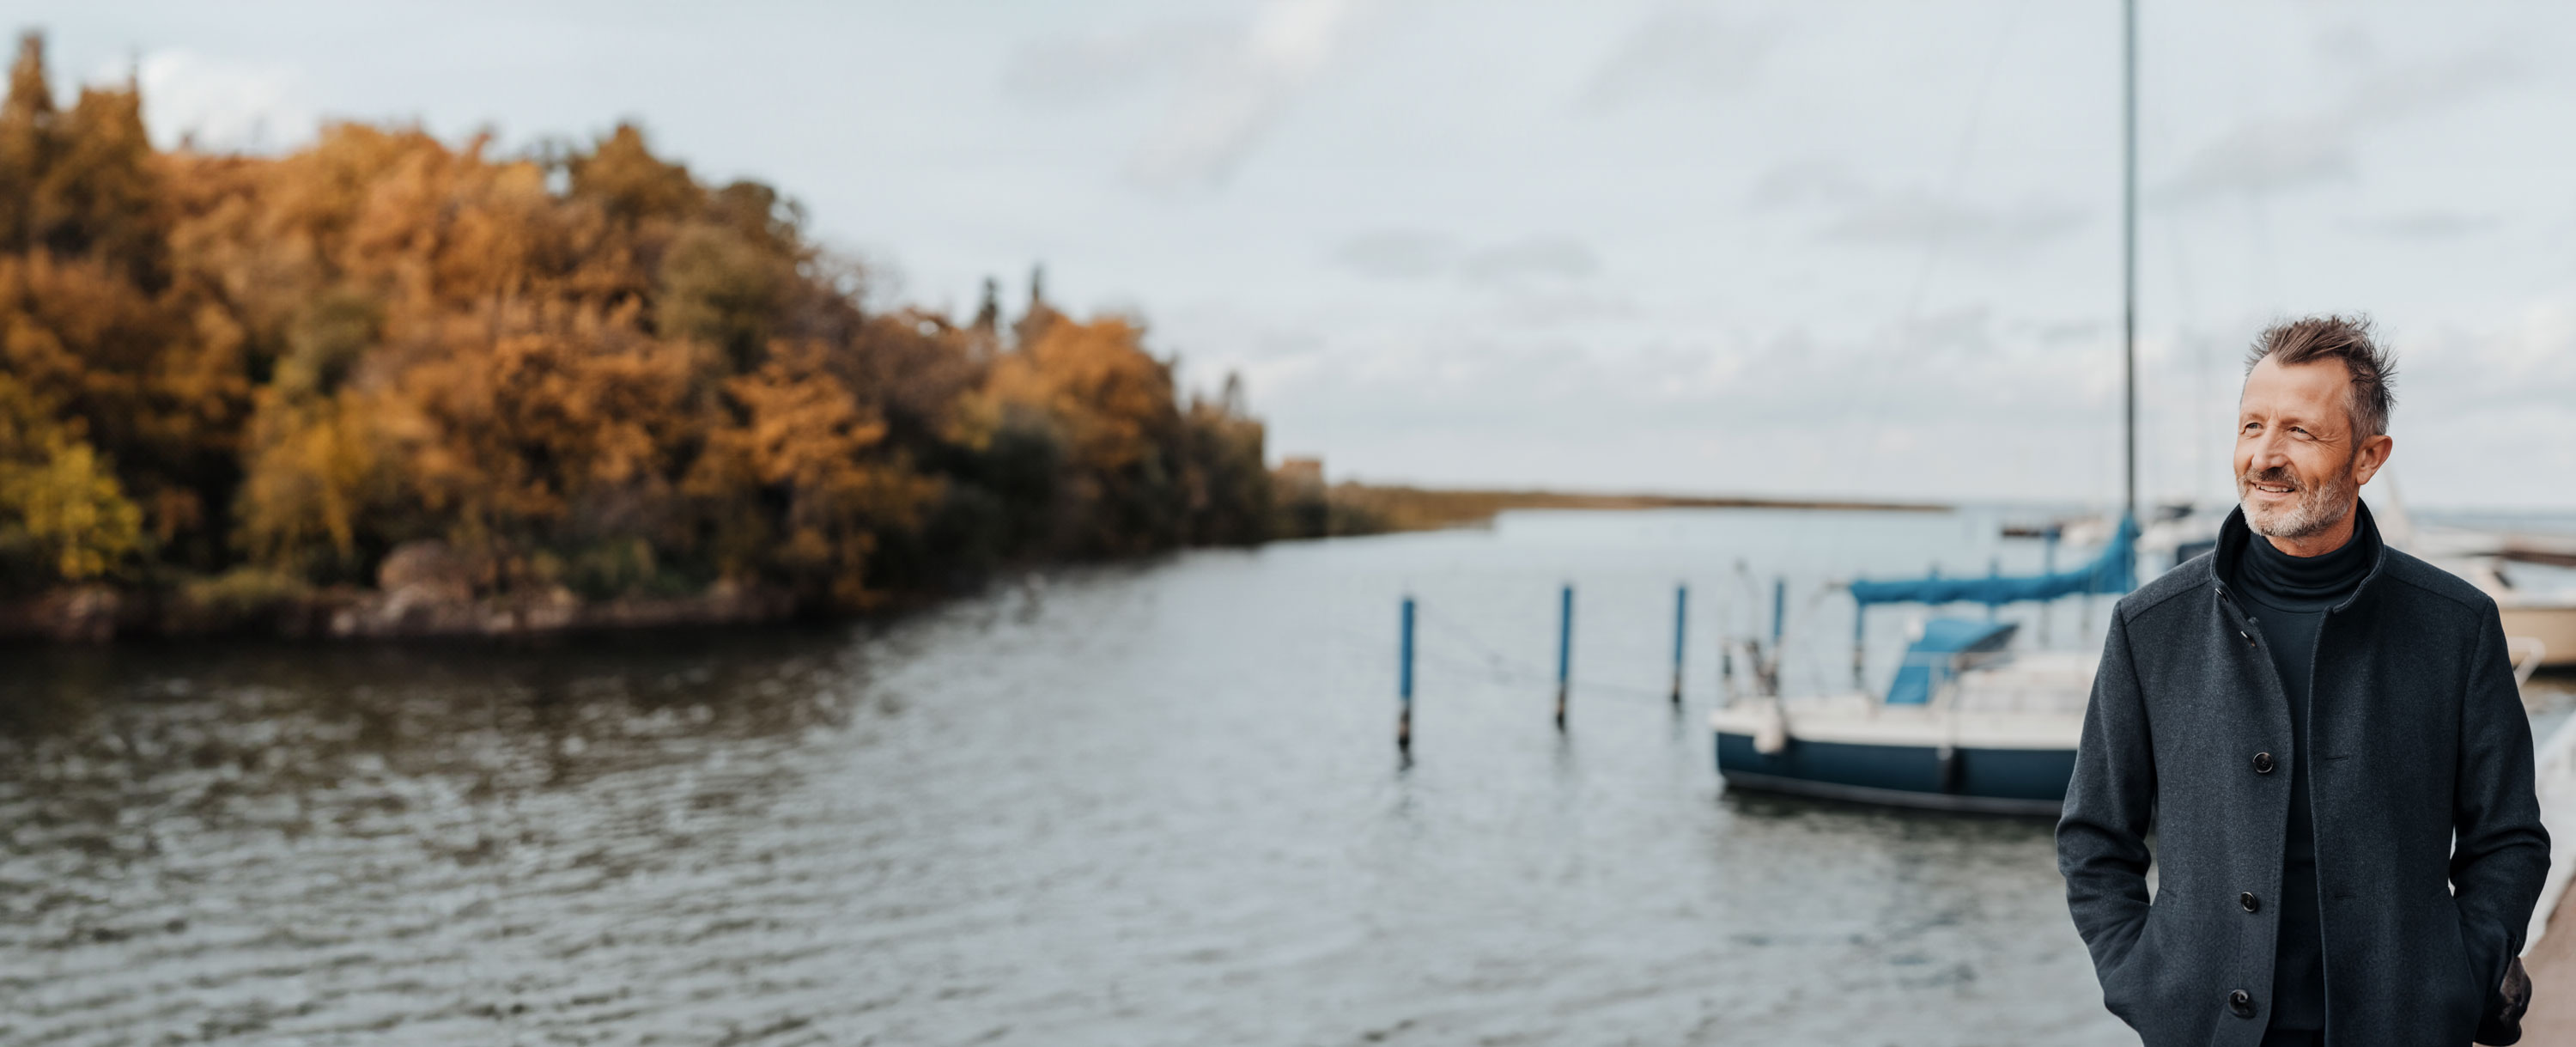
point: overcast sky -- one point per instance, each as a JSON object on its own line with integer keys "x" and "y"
{"x": 1786, "y": 248}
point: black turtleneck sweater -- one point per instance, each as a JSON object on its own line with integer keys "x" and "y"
{"x": 2287, "y": 600}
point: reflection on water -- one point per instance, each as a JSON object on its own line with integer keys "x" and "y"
{"x": 1139, "y": 805}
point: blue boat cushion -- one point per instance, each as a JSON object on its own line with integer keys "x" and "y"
{"x": 1929, "y": 661}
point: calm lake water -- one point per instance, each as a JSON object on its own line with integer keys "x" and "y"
{"x": 1147, "y": 804}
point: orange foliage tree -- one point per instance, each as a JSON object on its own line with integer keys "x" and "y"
{"x": 575, "y": 368}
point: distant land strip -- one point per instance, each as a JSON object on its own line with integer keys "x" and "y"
{"x": 1366, "y": 508}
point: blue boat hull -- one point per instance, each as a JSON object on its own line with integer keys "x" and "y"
{"x": 2002, "y": 781}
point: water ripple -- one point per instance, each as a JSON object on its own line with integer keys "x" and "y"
{"x": 1148, "y": 804}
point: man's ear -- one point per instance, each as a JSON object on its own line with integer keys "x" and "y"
{"x": 2373, "y": 454}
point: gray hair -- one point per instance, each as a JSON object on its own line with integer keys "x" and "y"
{"x": 2346, "y": 338}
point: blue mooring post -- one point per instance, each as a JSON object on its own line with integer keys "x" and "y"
{"x": 2047, "y": 565}
{"x": 1564, "y": 649}
{"x": 1681, "y": 615}
{"x": 1404, "y": 683}
{"x": 1769, "y": 668}
{"x": 1779, "y": 610}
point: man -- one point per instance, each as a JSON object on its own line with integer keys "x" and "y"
{"x": 2325, "y": 737}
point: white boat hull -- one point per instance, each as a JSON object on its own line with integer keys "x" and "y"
{"x": 2000, "y": 739}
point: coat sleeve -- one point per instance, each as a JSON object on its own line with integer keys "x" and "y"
{"x": 2500, "y": 854}
{"x": 2110, "y": 804}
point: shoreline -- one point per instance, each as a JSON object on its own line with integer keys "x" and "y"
{"x": 438, "y": 603}
{"x": 1363, "y": 508}
{"x": 98, "y": 614}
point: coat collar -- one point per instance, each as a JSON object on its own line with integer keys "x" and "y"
{"x": 2234, "y": 534}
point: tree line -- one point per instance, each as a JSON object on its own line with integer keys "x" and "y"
{"x": 571, "y": 368}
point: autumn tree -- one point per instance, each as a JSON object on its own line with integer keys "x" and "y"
{"x": 63, "y": 516}
{"x": 577, "y": 367}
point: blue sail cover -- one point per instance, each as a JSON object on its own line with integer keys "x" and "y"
{"x": 1928, "y": 661}
{"x": 2115, "y": 571}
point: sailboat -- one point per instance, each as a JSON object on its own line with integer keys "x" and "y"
{"x": 1968, "y": 723}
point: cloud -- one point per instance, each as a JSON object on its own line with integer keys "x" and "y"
{"x": 2268, "y": 154}
{"x": 1087, "y": 68}
{"x": 1679, "y": 52}
{"x": 1864, "y": 214}
{"x": 2482, "y": 405}
{"x": 1912, "y": 216}
{"x": 2066, "y": 332}
{"x": 1407, "y": 254}
{"x": 1803, "y": 182}
{"x": 1535, "y": 258}
{"x": 2407, "y": 89}
{"x": 2428, "y": 225}
{"x": 1546, "y": 307}
{"x": 2525, "y": 358}
{"x": 1223, "y": 114}
{"x": 1965, "y": 329}
{"x": 221, "y": 104}
{"x": 1398, "y": 254}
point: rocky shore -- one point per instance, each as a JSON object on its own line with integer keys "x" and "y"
{"x": 422, "y": 591}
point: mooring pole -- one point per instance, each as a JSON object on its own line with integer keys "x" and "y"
{"x": 1564, "y": 649}
{"x": 1860, "y": 620}
{"x": 1725, "y": 672}
{"x": 1770, "y": 667}
{"x": 1404, "y": 682}
{"x": 1779, "y": 610}
{"x": 2047, "y": 566}
{"x": 1681, "y": 615}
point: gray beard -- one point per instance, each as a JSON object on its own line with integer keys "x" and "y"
{"x": 2320, "y": 506}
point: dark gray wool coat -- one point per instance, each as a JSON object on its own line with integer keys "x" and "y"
{"x": 2417, "y": 733}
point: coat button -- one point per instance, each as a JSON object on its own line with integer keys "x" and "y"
{"x": 2250, "y": 902}
{"x": 2241, "y": 1003}
{"x": 2262, "y": 763}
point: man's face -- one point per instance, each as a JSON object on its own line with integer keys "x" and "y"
{"x": 2299, "y": 464}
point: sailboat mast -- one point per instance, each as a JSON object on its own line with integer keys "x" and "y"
{"x": 2129, "y": 248}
